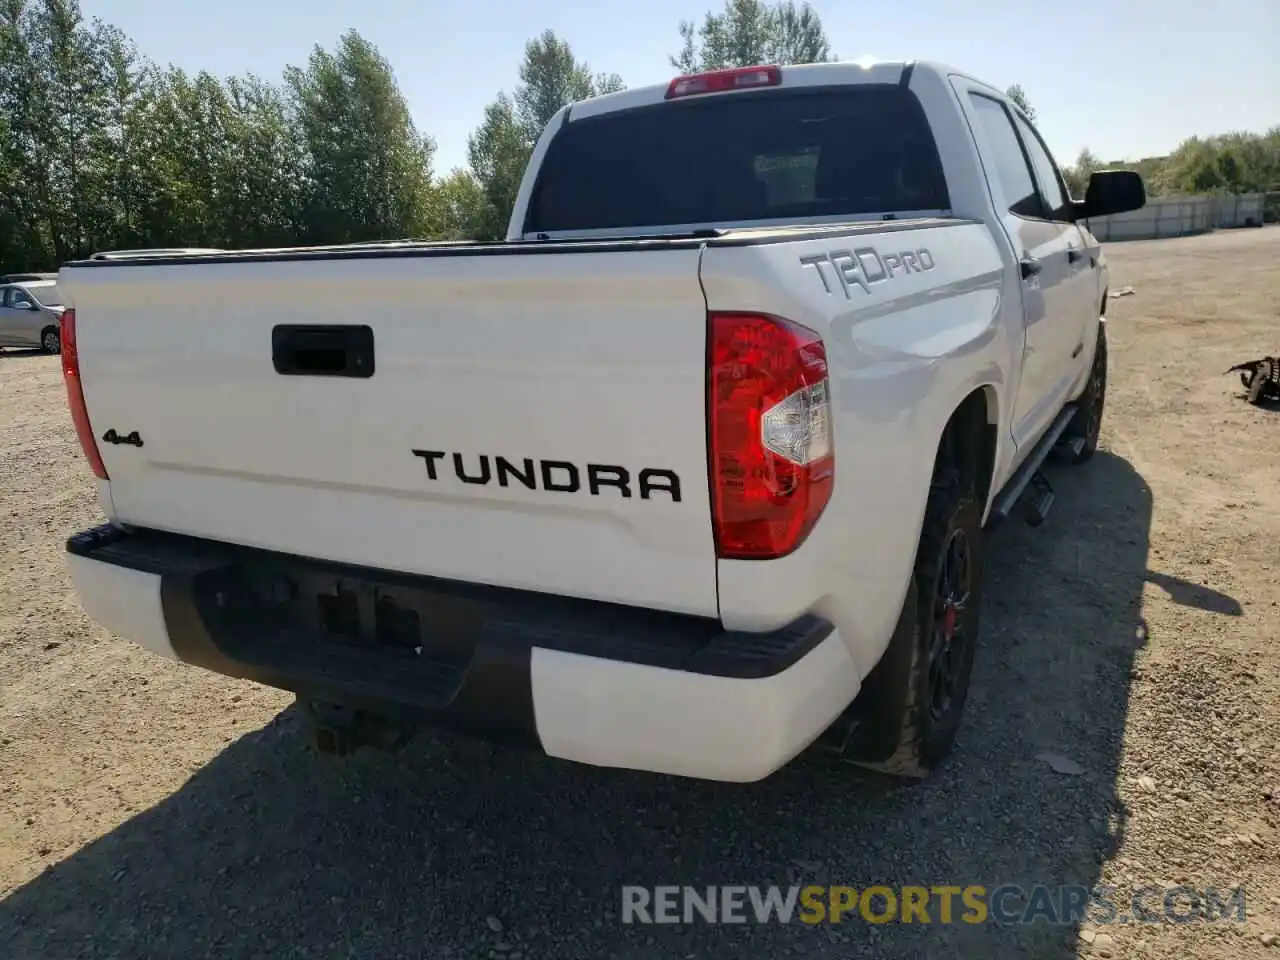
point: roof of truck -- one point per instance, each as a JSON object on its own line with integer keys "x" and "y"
{"x": 863, "y": 70}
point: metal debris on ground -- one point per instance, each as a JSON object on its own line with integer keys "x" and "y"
{"x": 1261, "y": 378}
{"x": 1123, "y": 292}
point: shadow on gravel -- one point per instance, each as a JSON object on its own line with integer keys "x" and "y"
{"x": 1268, "y": 404}
{"x": 18, "y": 352}
{"x": 273, "y": 851}
{"x": 1196, "y": 595}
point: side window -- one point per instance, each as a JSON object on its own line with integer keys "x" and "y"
{"x": 5, "y": 293}
{"x": 1050, "y": 180}
{"x": 18, "y": 296}
{"x": 1010, "y": 163}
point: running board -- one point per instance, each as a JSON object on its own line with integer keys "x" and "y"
{"x": 1038, "y": 501}
{"x": 1007, "y": 499}
{"x": 1070, "y": 448}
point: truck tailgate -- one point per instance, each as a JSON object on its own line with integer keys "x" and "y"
{"x": 532, "y": 420}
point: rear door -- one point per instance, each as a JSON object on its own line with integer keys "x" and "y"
{"x": 532, "y": 420}
{"x": 1044, "y": 247}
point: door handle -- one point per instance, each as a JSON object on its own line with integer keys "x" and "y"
{"x": 304, "y": 350}
{"x": 1029, "y": 266}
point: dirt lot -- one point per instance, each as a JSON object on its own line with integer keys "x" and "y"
{"x": 149, "y": 809}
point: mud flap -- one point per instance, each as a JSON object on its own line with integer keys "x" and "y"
{"x": 869, "y": 730}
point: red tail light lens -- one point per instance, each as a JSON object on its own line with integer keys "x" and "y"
{"x": 771, "y": 457}
{"x": 75, "y": 393}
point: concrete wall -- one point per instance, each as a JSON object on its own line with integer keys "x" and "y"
{"x": 1177, "y": 216}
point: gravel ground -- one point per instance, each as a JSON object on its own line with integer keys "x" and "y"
{"x": 150, "y": 809}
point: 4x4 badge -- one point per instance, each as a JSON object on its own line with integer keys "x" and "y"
{"x": 132, "y": 439}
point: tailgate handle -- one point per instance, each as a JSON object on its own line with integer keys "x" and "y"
{"x": 313, "y": 350}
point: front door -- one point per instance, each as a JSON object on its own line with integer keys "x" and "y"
{"x": 21, "y": 321}
{"x": 1081, "y": 256}
{"x": 1045, "y": 248}
{"x": 9, "y": 319}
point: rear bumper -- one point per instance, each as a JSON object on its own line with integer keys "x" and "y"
{"x": 596, "y": 683}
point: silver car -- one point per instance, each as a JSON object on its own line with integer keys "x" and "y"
{"x": 29, "y": 315}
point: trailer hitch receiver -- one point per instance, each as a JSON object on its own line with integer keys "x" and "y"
{"x": 340, "y": 730}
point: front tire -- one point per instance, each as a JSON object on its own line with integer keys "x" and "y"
{"x": 940, "y": 624}
{"x": 51, "y": 340}
{"x": 1086, "y": 425}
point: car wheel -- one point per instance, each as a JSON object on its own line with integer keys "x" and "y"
{"x": 51, "y": 340}
{"x": 925, "y": 683}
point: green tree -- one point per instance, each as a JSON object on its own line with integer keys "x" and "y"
{"x": 367, "y": 170}
{"x": 263, "y": 171}
{"x": 608, "y": 83}
{"x": 124, "y": 139}
{"x": 1077, "y": 175}
{"x": 189, "y": 129}
{"x": 1019, "y": 96}
{"x": 69, "y": 92}
{"x": 53, "y": 93}
{"x": 748, "y": 32}
{"x": 798, "y": 36}
{"x": 498, "y": 151}
{"x": 99, "y": 148}
{"x": 550, "y": 77}
{"x": 1232, "y": 163}
{"x": 458, "y": 203}
{"x": 24, "y": 224}
{"x": 11, "y": 238}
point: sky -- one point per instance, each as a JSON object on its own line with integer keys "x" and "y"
{"x": 1126, "y": 78}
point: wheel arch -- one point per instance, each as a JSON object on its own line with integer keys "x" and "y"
{"x": 879, "y": 737}
{"x": 970, "y": 438}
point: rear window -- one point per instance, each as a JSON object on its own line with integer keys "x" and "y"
{"x": 839, "y": 151}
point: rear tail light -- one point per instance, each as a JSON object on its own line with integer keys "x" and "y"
{"x": 771, "y": 457}
{"x": 75, "y": 393}
{"x": 718, "y": 81}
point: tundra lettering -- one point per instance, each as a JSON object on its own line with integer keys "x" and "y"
{"x": 865, "y": 266}
{"x": 558, "y": 476}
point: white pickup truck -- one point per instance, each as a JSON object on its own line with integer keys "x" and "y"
{"x": 688, "y": 474}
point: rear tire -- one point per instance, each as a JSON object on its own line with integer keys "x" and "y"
{"x": 940, "y": 624}
{"x": 1086, "y": 425}
{"x": 51, "y": 340}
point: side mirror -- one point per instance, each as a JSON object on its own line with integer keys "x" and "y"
{"x": 23, "y": 305}
{"x": 1112, "y": 191}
